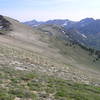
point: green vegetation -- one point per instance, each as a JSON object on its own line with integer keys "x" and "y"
{"x": 30, "y": 85}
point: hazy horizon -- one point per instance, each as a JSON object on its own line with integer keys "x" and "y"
{"x": 42, "y": 10}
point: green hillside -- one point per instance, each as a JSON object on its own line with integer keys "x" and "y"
{"x": 41, "y": 64}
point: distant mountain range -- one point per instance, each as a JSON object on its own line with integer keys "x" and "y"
{"x": 86, "y": 31}
{"x": 60, "y": 22}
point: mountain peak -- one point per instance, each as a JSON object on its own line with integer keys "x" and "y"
{"x": 87, "y": 20}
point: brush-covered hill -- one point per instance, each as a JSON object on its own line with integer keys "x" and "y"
{"x": 44, "y": 63}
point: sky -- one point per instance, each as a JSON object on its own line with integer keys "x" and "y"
{"x": 42, "y": 10}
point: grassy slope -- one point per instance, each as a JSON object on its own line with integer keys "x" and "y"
{"x": 74, "y": 52}
{"x": 38, "y": 67}
{"x": 34, "y": 86}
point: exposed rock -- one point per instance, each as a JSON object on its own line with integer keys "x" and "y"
{"x": 4, "y": 25}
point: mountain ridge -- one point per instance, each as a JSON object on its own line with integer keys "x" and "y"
{"x": 88, "y": 29}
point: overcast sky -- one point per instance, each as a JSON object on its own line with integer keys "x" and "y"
{"x": 24, "y": 10}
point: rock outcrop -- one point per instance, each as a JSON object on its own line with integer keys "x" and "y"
{"x": 4, "y": 25}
